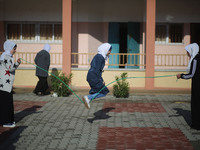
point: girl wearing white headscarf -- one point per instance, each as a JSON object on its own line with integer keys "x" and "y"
{"x": 42, "y": 60}
{"x": 7, "y": 76}
{"x": 94, "y": 76}
{"x": 194, "y": 74}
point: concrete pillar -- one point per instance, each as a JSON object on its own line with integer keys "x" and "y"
{"x": 66, "y": 35}
{"x": 150, "y": 42}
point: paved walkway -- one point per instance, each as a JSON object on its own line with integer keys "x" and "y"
{"x": 144, "y": 121}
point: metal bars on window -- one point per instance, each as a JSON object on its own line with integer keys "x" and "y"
{"x": 169, "y": 33}
{"x": 34, "y": 32}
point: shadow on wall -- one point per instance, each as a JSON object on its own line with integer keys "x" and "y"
{"x": 95, "y": 30}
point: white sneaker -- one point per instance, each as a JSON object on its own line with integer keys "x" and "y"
{"x": 9, "y": 125}
{"x": 86, "y": 102}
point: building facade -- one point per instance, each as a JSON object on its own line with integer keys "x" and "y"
{"x": 148, "y": 36}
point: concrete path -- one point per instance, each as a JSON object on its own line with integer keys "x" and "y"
{"x": 144, "y": 121}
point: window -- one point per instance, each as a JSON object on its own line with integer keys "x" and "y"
{"x": 57, "y": 32}
{"x": 161, "y": 33}
{"x": 13, "y": 31}
{"x": 34, "y": 32}
{"x": 28, "y": 31}
{"x": 169, "y": 33}
{"x": 46, "y": 31}
{"x": 175, "y": 33}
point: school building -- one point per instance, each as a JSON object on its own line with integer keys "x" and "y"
{"x": 148, "y": 38}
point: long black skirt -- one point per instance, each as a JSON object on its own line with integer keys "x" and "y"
{"x": 6, "y": 107}
{"x": 42, "y": 85}
{"x": 195, "y": 103}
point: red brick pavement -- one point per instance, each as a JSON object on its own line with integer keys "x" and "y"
{"x": 120, "y": 138}
{"x": 28, "y": 105}
{"x": 135, "y": 107}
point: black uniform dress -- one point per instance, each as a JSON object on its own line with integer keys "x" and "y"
{"x": 42, "y": 60}
{"x": 94, "y": 76}
{"x": 194, "y": 74}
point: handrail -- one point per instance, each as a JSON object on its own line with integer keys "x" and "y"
{"x": 122, "y": 60}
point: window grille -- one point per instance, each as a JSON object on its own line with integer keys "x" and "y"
{"x": 34, "y": 32}
{"x": 169, "y": 33}
{"x": 57, "y": 32}
{"x": 28, "y": 31}
{"x": 46, "y": 31}
{"x": 13, "y": 31}
{"x": 161, "y": 33}
{"x": 175, "y": 33}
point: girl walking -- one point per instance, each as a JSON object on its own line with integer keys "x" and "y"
{"x": 42, "y": 60}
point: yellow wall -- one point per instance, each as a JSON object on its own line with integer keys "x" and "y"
{"x": 109, "y": 76}
{"x": 170, "y": 82}
{"x": 79, "y": 78}
{"x": 27, "y": 78}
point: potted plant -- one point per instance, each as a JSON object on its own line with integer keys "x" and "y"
{"x": 121, "y": 88}
{"x": 60, "y": 83}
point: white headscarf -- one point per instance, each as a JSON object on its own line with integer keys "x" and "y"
{"x": 47, "y": 47}
{"x": 103, "y": 49}
{"x": 8, "y": 46}
{"x": 193, "y": 50}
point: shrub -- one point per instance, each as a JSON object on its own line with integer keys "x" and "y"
{"x": 121, "y": 88}
{"x": 59, "y": 87}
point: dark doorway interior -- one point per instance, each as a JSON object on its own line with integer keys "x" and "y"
{"x": 123, "y": 43}
{"x": 195, "y": 33}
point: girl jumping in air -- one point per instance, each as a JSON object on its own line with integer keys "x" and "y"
{"x": 94, "y": 76}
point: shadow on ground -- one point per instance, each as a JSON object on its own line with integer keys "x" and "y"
{"x": 101, "y": 114}
{"x": 186, "y": 114}
{"x": 26, "y": 112}
{"x": 9, "y": 137}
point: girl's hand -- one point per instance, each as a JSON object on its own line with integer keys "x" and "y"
{"x": 19, "y": 60}
{"x": 178, "y": 76}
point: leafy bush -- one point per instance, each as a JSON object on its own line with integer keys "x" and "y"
{"x": 121, "y": 88}
{"x": 59, "y": 87}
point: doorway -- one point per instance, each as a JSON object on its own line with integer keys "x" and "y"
{"x": 123, "y": 44}
{"x": 124, "y": 38}
{"x": 195, "y": 33}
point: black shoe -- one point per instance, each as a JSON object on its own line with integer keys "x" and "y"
{"x": 35, "y": 92}
{"x": 46, "y": 93}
